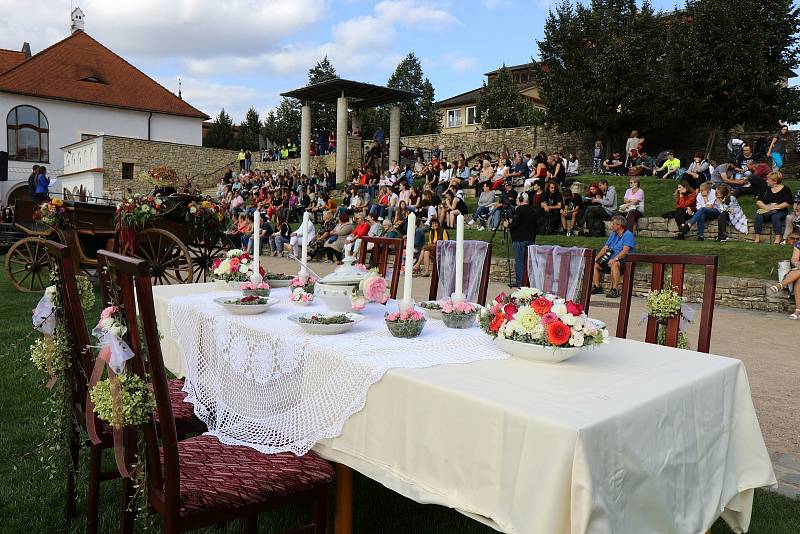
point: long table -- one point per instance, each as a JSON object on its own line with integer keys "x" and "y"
{"x": 629, "y": 437}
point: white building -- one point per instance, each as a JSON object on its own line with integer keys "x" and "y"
{"x": 72, "y": 91}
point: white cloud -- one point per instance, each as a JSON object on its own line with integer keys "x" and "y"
{"x": 493, "y": 4}
{"x": 411, "y": 13}
{"x": 210, "y": 97}
{"x": 459, "y": 62}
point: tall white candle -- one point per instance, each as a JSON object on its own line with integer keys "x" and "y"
{"x": 458, "y": 294}
{"x": 411, "y": 225}
{"x": 304, "y": 251}
{"x": 256, "y": 277}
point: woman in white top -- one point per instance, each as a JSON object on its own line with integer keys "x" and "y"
{"x": 394, "y": 169}
{"x": 572, "y": 165}
{"x": 708, "y": 208}
{"x": 446, "y": 174}
{"x": 501, "y": 171}
{"x": 296, "y": 237}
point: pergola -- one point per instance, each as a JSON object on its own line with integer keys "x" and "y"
{"x": 353, "y": 95}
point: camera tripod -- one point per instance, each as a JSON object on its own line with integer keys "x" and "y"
{"x": 507, "y": 240}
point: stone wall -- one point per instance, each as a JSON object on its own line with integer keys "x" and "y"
{"x": 205, "y": 165}
{"x": 660, "y": 227}
{"x": 528, "y": 139}
{"x": 734, "y": 292}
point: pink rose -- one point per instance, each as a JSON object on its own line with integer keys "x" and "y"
{"x": 495, "y": 309}
{"x": 463, "y": 307}
{"x": 361, "y": 267}
{"x": 574, "y": 308}
{"x": 500, "y": 298}
{"x": 385, "y": 298}
{"x": 447, "y": 307}
{"x": 374, "y": 288}
{"x": 108, "y": 312}
{"x": 510, "y": 310}
{"x": 393, "y": 316}
{"x": 549, "y": 317}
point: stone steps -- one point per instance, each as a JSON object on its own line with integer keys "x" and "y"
{"x": 660, "y": 227}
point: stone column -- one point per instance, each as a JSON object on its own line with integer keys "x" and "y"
{"x": 394, "y": 134}
{"x": 341, "y": 139}
{"x": 355, "y": 120}
{"x": 305, "y": 139}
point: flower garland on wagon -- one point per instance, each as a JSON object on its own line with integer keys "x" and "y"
{"x": 236, "y": 266}
{"x": 132, "y": 215}
{"x": 52, "y": 213}
{"x": 208, "y": 218}
{"x": 529, "y": 315}
{"x": 664, "y": 304}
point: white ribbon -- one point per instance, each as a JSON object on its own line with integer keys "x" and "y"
{"x": 113, "y": 350}
{"x": 687, "y": 316}
{"x": 44, "y": 315}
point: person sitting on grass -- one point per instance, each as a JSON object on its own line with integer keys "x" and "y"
{"x": 551, "y": 204}
{"x": 793, "y": 276}
{"x": 611, "y": 258}
{"x": 706, "y": 209}
{"x": 698, "y": 171}
{"x": 685, "y": 206}
{"x": 669, "y": 168}
{"x": 614, "y": 164}
{"x": 772, "y": 206}
{"x": 642, "y": 166}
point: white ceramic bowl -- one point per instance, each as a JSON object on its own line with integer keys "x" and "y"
{"x": 433, "y": 314}
{"x": 226, "y": 285}
{"x": 336, "y": 297}
{"x": 245, "y": 309}
{"x": 537, "y": 353}
{"x": 325, "y": 329}
{"x": 278, "y": 283}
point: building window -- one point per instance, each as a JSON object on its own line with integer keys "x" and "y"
{"x": 472, "y": 115}
{"x": 453, "y": 118}
{"x": 28, "y": 135}
{"x": 127, "y": 171}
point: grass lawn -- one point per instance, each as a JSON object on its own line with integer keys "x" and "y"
{"x": 29, "y": 502}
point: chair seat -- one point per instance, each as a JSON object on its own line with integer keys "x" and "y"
{"x": 216, "y": 477}
{"x": 182, "y": 411}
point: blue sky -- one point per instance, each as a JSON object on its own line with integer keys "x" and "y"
{"x": 244, "y": 53}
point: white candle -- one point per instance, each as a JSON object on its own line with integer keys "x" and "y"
{"x": 304, "y": 251}
{"x": 458, "y": 294}
{"x": 256, "y": 277}
{"x": 411, "y": 225}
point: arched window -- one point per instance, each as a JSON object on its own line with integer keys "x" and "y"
{"x": 28, "y": 135}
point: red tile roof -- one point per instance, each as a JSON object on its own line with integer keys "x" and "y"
{"x": 10, "y": 59}
{"x": 79, "y": 69}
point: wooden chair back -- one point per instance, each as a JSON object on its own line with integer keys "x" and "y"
{"x": 677, "y": 263}
{"x": 382, "y": 249}
{"x": 586, "y": 276}
{"x": 124, "y": 276}
{"x": 82, "y": 357}
{"x": 483, "y": 286}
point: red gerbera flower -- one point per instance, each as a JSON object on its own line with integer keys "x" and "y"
{"x": 541, "y": 306}
{"x": 558, "y": 333}
{"x": 497, "y": 322}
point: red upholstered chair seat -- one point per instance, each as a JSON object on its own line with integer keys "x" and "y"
{"x": 182, "y": 411}
{"x": 220, "y": 477}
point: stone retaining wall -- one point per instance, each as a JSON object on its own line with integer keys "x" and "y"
{"x": 660, "y": 227}
{"x": 745, "y": 293}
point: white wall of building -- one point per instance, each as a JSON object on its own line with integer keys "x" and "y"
{"x": 92, "y": 183}
{"x": 69, "y": 120}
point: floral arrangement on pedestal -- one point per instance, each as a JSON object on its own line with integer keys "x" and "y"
{"x": 457, "y": 314}
{"x": 664, "y": 304}
{"x": 405, "y": 323}
{"x": 249, "y": 289}
{"x": 236, "y": 266}
{"x": 302, "y": 289}
{"x": 52, "y": 213}
{"x": 534, "y": 317}
{"x": 372, "y": 288}
{"x": 207, "y": 217}
{"x": 162, "y": 176}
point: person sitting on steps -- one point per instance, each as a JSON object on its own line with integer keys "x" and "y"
{"x": 793, "y": 276}
{"x": 611, "y": 258}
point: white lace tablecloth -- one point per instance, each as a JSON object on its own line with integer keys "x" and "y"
{"x": 261, "y": 381}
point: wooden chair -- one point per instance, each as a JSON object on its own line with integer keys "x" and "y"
{"x": 586, "y": 277}
{"x": 483, "y": 286}
{"x": 382, "y": 248}
{"x": 678, "y": 263}
{"x": 199, "y": 481}
{"x": 80, "y": 369}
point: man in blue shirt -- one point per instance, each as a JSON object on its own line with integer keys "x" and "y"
{"x": 611, "y": 258}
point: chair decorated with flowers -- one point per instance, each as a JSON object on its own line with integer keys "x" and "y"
{"x": 666, "y": 315}
{"x": 78, "y": 375}
{"x": 199, "y": 481}
{"x": 477, "y": 262}
{"x": 562, "y": 271}
{"x": 382, "y": 249}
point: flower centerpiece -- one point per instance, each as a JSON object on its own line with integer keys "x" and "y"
{"x": 235, "y": 267}
{"x": 458, "y": 314}
{"x": 52, "y": 213}
{"x": 161, "y": 176}
{"x": 135, "y": 212}
{"x": 664, "y": 304}
{"x": 536, "y": 325}
{"x": 207, "y": 217}
{"x": 372, "y": 288}
{"x": 258, "y": 290}
{"x": 405, "y": 323}
{"x": 302, "y": 289}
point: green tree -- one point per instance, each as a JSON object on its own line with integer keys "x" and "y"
{"x": 284, "y": 122}
{"x": 220, "y": 135}
{"x": 500, "y": 105}
{"x": 323, "y": 116}
{"x": 418, "y": 116}
{"x": 249, "y": 130}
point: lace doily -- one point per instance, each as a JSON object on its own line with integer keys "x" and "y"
{"x": 261, "y": 381}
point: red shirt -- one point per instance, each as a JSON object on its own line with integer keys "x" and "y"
{"x": 762, "y": 170}
{"x": 685, "y": 201}
{"x": 361, "y": 230}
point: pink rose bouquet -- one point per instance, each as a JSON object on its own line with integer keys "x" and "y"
{"x": 373, "y": 288}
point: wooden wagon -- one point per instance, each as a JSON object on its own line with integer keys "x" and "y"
{"x": 176, "y": 251}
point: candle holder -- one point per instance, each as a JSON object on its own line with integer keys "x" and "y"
{"x": 458, "y": 297}
{"x": 405, "y": 305}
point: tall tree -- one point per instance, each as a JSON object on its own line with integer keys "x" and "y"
{"x": 323, "y": 116}
{"x": 286, "y": 122}
{"x": 249, "y": 130}
{"x": 220, "y": 135}
{"x": 501, "y": 106}
{"x": 419, "y": 115}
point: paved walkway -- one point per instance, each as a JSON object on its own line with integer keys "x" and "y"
{"x": 765, "y": 342}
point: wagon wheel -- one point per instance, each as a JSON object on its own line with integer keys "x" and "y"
{"x": 27, "y": 265}
{"x": 169, "y": 259}
{"x": 204, "y": 251}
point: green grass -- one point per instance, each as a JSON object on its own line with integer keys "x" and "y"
{"x": 31, "y": 503}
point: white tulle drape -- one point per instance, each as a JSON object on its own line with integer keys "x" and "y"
{"x": 556, "y": 270}
{"x": 474, "y": 255}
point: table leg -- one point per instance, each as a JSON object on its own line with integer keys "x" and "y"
{"x": 344, "y": 499}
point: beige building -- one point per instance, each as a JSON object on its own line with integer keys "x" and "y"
{"x": 460, "y": 113}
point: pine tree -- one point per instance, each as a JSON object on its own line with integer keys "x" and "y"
{"x": 323, "y": 116}
{"x": 249, "y": 131}
{"x": 418, "y": 116}
{"x": 287, "y": 121}
{"x": 220, "y": 135}
{"x": 501, "y": 106}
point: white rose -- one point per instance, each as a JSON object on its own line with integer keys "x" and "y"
{"x": 579, "y": 323}
{"x": 192, "y": 210}
{"x": 560, "y": 310}
{"x": 559, "y": 300}
{"x": 569, "y": 319}
{"x": 576, "y": 340}
{"x": 550, "y": 297}
{"x": 242, "y": 268}
{"x": 538, "y": 331}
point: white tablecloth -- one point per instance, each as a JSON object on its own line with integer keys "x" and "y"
{"x": 628, "y": 438}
